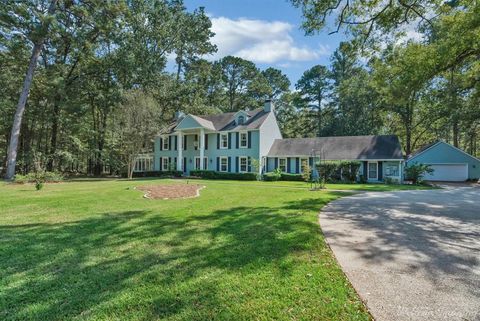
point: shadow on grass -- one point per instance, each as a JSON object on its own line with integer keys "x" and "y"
{"x": 149, "y": 264}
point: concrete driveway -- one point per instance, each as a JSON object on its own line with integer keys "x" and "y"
{"x": 411, "y": 255}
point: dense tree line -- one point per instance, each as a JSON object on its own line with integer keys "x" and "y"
{"x": 98, "y": 58}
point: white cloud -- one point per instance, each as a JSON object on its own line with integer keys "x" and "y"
{"x": 260, "y": 41}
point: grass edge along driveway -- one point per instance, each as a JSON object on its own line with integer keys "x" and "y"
{"x": 96, "y": 250}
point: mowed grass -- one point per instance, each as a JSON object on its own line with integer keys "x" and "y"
{"x": 96, "y": 250}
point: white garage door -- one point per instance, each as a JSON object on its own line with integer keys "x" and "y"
{"x": 448, "y": 172}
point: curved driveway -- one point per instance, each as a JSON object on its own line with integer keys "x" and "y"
{"x": 411, "y": 255}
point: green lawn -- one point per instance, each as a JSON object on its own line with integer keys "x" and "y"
{"x": 96, "y": 250}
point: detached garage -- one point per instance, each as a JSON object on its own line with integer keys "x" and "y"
{"x": 448, "y": 162}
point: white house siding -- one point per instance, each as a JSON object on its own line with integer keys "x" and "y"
{"x": 269, "y": 131}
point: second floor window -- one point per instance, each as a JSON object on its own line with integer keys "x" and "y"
{"x": 241, "y": 120}
{"x": 166, "y": 143}
{"x": 243, "y": 140}
{"x": 223, "y": 141}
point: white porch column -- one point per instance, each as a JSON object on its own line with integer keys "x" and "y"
{"x": 180, "y": 151}
{"x": 202, "y": 147}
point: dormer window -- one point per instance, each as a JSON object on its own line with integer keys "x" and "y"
{"x": 241, "y": 120}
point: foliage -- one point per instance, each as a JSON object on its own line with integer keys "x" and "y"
{"x": 165, "y": 174}
{"x": 223, "y": 175}
{"x": 291, "y": 177}
{"x": 273, "y": 176}
{"x": 335, "y": 171}
{"x": 139, "y": 120}
{"x": 33, "y": 177}
{"x": 255, "y": 163}
{"x": 306, "y": 171}
{"x": 416, "y": 171}
{"x": 390, "y": 181}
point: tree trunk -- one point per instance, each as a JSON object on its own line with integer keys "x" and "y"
{"x": 455, "y": 131}
{"x": 53, "y": 140}
{"x": 17, "y": 121}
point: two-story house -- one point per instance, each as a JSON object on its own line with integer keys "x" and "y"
{"x": 229, "y": 142}
{"x": 224, "y": 142}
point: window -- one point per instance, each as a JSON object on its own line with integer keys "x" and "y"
{"x": 166, "y": 143}
{"x": 243, "y": 139}
{"x": 197, "y": 163}
{"x": 223, "y": 141}
{"x": 223, "y": 164}
{"x": 282, "y": 164}
{"x": 391, "y": 170}
{"x": 241, "y": 120}
{"x": 143, "y": 164}
{"x": 243, "y": 164}
{"x": 372, "y": 170}
{"x": 165, "y": 164}
{"x": 303, "y": 164}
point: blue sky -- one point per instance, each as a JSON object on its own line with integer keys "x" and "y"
{"x": 268, "y": 33}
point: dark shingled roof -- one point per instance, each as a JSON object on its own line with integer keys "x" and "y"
{"x": 226, "y": 121}
{"x": 340, "y": 147}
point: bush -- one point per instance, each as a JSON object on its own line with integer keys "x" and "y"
{"x": 416, "y": 171}
{"x": 44, "y": 177}
{"x": 273, "y": 176}
{"x": 306, "y": 172}
{"x": 391, "y": 181}
{"x": 291, "y": 177}
{"x": 171, "y": 173}
{"x": 223, "y": 175}
{"x": 334, "y": 171}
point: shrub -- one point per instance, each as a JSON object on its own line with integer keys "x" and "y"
{"x": 334, "y": 171}
{"x": 390, "y": 181}
{"x": 34, "y": 177}
{"x": 306, "y": 172}
{"x": 223, "y": 175}
{"x": 291, "y": 177}
{"x": 171, "y": 173}
{"x": 416, "y": 171}
{"x": 273, "y": 176}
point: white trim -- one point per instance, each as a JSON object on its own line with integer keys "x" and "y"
{"x": 221, "y": 141}
{"x": 167, "y": 140}
{"x": 205, "y": 163}
{"x": 220, "y": 165}
{"x": 450, "y": 145}
{"x": 286, "y": 165}
{"x": 240, "y": 138}
{"x": 162, "y": 168}
{"x": 240, "y": 164}
{"x": 368, "y": 171}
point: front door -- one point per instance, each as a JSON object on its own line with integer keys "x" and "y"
{"x": 197, "y": 163}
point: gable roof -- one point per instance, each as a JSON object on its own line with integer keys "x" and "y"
{"x": 340, "y": 147}
{"x": 435, "y": 143}
{"x": 224, "y": 121}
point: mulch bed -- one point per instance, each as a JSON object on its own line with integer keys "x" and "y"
{"x": 171, "y": 191}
